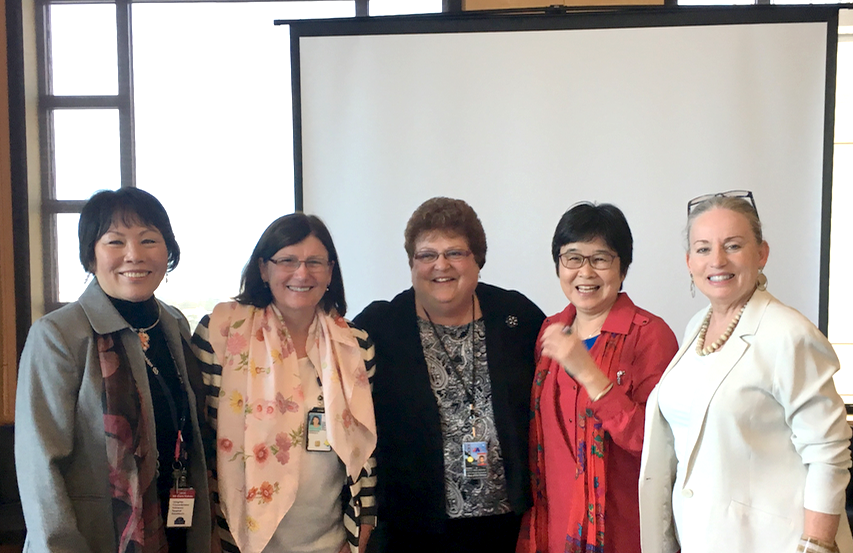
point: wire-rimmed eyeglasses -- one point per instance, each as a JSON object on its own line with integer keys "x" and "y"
{"x": 742, "y": 194}
{"x": 431, "y": 256}
{"x": 600, "y": 260}
{"x": 312, "y": 264}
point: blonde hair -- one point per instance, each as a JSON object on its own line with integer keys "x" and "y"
{"x": 737, "y": 205}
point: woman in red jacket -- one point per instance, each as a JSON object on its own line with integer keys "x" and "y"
{"x": 596, "y": 363}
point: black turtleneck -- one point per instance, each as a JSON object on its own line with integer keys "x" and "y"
{"x": 167, "y": 392}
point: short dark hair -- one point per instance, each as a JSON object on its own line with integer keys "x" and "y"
{"x": 128, "y": 206}
{"x": 586, "y": 221}
{"x": 450, "y": 216}
{"x": 283, "y": 232}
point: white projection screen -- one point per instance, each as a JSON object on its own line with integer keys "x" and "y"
{"x": 524, "y": 115}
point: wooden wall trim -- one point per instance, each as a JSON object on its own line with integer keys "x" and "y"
{"x": 8, "y": 327}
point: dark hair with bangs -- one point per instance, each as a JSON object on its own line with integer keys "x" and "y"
{"x": 283, "y": 232}
{"x": 128, "y": 206}
{"x": 449, "y": 216}
{"x": 585, "y": 222}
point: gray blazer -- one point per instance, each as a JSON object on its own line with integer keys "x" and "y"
{"x": 60, "y": 449}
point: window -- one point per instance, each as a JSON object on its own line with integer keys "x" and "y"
{"x": 207, "y": 128}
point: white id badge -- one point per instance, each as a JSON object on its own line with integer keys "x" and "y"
{"x": 475, "y": 460}
{"x": 181, "y": 503}
{"x": 316, "y": 431}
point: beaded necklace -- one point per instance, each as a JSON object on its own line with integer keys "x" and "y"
{"x": 703, "y": 330}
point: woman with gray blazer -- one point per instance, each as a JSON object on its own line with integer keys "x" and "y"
{"x": 109, "y": 451}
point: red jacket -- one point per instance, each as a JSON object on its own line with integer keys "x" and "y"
{"x": 648, "y": 348}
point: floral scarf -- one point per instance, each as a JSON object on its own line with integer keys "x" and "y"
{"x": 132, "y": 459}
{"x": 262, "y": 412}
{"x": 585, "y": 531}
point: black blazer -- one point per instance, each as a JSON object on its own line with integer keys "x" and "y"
{"x": 410, "y": 459}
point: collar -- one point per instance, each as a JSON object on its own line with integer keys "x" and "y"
{"x": 747, "y": 326}
{"x": 102, "y": 314}
{"x": 622, "y": 315}
{"x": 105, "y": 318}
{"x": 755, "y": 308}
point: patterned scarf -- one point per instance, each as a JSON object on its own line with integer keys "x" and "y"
{"x": 262, "y": 412}
{"x": 585, "y": 532}
{"x": 137, "y": 521}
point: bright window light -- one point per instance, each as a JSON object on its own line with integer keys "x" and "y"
{"x": 403, "y": 7}
{"x": 214, "y": 132}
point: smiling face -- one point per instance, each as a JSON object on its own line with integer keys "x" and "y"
{"x": 130, "y": 261}
{"x": 592, "y": 291}
{"x": 444, "y": 288}
{"x": 297, "y": 293}
{"x": 724, "y": 257}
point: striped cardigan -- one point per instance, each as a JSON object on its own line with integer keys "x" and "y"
{"x": 358, "y": 498}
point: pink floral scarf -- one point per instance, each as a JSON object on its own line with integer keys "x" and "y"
{"x": 262, "y": 412}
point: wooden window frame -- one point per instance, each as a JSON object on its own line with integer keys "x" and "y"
{"x": 49, "y": 103}
{"x": 8, "y": 325}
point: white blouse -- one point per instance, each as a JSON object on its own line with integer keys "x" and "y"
{"x": 314, "y": 524}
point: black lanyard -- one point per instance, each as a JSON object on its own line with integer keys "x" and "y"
{"x": 458, "y": 370}
{"x": 173, "y": 409}
{"x": 177, "y": 423}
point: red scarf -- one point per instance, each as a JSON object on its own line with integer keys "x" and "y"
{"x": 132, "y": 458}
{"x": 585, "y": 531}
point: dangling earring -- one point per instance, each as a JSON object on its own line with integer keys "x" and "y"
{"x": 692, "y": 287}
{"x": 761, "y": 281}
{"x": 167, "y": 278}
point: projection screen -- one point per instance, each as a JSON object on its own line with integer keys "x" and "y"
{"x": 522, "y": 116}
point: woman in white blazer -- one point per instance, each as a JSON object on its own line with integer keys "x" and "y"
{"x": 746, "y": 439}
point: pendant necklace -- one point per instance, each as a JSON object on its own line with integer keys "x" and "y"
{"x": 143, "y": 333}
{"x": 571, "y": 329}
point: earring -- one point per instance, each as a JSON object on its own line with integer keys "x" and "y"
{"x": 266, "y": 284}
{"x": 761, "y": 281}
{"x": 692, "y": 287}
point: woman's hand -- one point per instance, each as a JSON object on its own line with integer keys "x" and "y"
{"x": 569, "y": 351}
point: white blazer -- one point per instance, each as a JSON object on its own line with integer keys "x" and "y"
{"x": 768, "y": 440}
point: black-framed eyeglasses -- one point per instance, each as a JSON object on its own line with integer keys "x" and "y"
{"x": 431, "y": 256}
{"x": 600, "y": 261}
{"x": 742, "y": 194}
{"x": 292, "y": 263}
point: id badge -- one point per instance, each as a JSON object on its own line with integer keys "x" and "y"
{"x": 475, "y": 460}
{"x": 181, "y": 503}
{"x": 316, "y": 431}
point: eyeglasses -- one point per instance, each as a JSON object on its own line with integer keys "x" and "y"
{"x": 600, "y": 261}
{"x": 742, "y": 194}
{"x": 431, "y": 256}
{"x": 291, "y": 264}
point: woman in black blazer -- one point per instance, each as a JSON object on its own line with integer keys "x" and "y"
{"x": 454, "y": 366}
